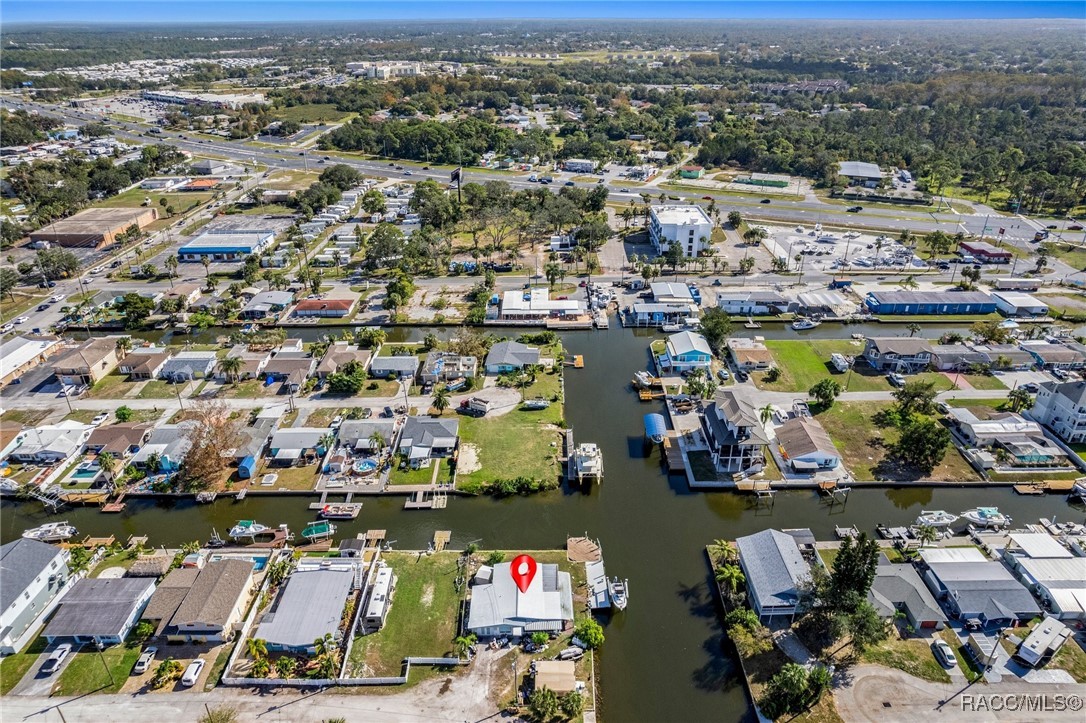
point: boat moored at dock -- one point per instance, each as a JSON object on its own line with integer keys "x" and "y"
{"x": 249, "y": 530}
{"x": 341, "y": 511}
{"x": 319, "y": 530}
{"x": 936, "y": 518}
{"x": 51, "y": 532}
{"x": 986, "y": 517}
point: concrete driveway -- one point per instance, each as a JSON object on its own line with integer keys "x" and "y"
{"x": 34, "y": 682}
{"x": 878, "y": 694}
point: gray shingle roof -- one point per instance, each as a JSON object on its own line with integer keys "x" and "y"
{"x": 98, "y": 606}
{"x": 901, "y": 585}
{"x": 512, "y": 353}
{"x": 985, "y": 588}
{"x": 429, "y": 432}
{"x": 21, "y": 561}
{"x": 214, "y": 593}
{"x": 774, "y": 566}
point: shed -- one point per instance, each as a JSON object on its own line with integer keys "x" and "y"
{"x": 247, "y": 467}
{"x": 558, "y": 675}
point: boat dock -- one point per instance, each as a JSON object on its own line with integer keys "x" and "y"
{"x": 241, "y": 493}
{"x": 419, "y": 501}
{"x": 647, "y": 395}
{"x": 673, "y": 454}
{"x": 577, "y": 363}
{"x": 441, "y": 540}
{"x": 375, "y": 537}
{"x": 599, "y": 597}
{"x": 279, "y": 539}
{"x": 583, "y": 549}
{"x": 91, "y": 543}
{"x": 115, "y": 506}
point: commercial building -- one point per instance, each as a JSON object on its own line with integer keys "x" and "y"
{"x": 201, "y": 605}
{"x": 1017, "y": 303}
{"x": 219, "y": 100}
{"x": 1062, "y": 408}
{"x": 857, "y": 173}
{"x": 100, "y": 610}
{"x": 20, "y": 354}
{"x": 35, "y": 575}
{"x": 536, "y": 305}
{"x": 985, "y": 252}
{"x": 579, "y": 165}
{"x": 385, "y": 71}
{"x": 740, "y": 302}
{"x": 498, "y": 607}
{"x": 933, "y": 303}
{"x": 309, "y": 607}
{"x": 225, "y": 247}
{"x": 685, "y": 225}
{"x": 94, "y": 228}
{"x": 775, "y": 571}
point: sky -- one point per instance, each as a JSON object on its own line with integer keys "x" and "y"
{"x": 201, "y": 11}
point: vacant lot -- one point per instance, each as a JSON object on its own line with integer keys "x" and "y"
{"x": 518, "y": 444}
{"x": 865, "y": 447}
{"x": 311, "y": 113}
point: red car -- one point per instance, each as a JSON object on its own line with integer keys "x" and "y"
{"x": 563, "y": 298}
{"x": 707, "y": 198}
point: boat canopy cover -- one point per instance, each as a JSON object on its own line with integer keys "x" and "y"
{"x": 655, "y": 425}
{"x": 246, "y": 467}
{"x": 803, "y": 465}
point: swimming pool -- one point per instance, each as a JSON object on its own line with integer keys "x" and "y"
{"x": 86, "y": 471}
{"x": 366, "y": 465}
{"x": 259, "y": 561}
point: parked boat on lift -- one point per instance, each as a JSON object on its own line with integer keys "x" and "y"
{"x": 342, "y": 511}
{"x": 671, "y": 328}
{"x": 642, "y": 380}
{"x": 51, "y": 532}
{"x": 655, "y": 427}
{"x": 620, "y": 593}
{"x": 803, "y": 324}
{"x": 986, "y": 517}
{"x": 320, "y": 530}
{"x": 936, "y": 518}
{"x": 249, "y": 530}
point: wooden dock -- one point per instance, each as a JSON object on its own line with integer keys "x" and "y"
{"x": 279, "y": 539}
{"x": 673, "y": 455}
{"x": 441, "y": 539}
{"x": 113, "y": 507}
{"x": 319, "y": 546}
{"x": 583, "y": 549}
{"x": 647, "y": 395}
{"x": 567, "y": 453}
{"x": 418, "y": 501}
{"x": 375, "y": 537}
{"x": 577, "y": 363}
{"x": 1035, "y": 488}
{"x": 136, "y": 541}
{"x": 93, "y": 542}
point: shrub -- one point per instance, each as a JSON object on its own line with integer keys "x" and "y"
{"x": 751, "y": 642}
{"x": 590, "y": 633}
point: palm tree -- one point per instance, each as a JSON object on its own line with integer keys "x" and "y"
{"x": 766, "y": 413}
{"x": 377, "y": 442}
{"x": 325, "y": 645}
{"x": 913, "y": 328}
{"x": 171, "y": 268}
{"x": 927, "y": 534}
{"x": 723, "y": 552}
{"x": 257, "y": 648}
{"x": 328, "y": 665}
{"x": 108, "y": 464}
{"x": 731, "y": 576}
{"x": 261, "y": 668}
{"x": 124, "y": 345}
{"x": 231, "y": 367}
{"x": 337, "y": 256}
{"x": 285, "y": 666}
{"x": 463, "y": 644}
{"x": 327, "y": 440}
{"x": 1019, "y": 399}
{"x": 206, "y": 261}
{"x": 441, "y": 400}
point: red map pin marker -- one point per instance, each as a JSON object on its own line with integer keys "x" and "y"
{"x": 522, "y": 570}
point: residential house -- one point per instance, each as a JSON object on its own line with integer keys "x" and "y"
{"x": 749, "y": 354}
{"x": 88, "y": 362}
{"x": 740, "y": 302}
{"x": 956, "y": 357}
{"x": 427, "y": 438}
{"x": 380, "y": 599}
{"x": 686, "y": 351}
{"x": 403, "y": 366}
{"x": 667, "y": 292}
{"x": 734, "y": 431}
{"x": 144, "y": 363}
{"x": 186, "y": 366}
{"x": 971, "y": 586}
{"x": 1052, "y": 572}
{"x": 309, "y": 606}
{"x": 188, "y": 293}
{"x": 291, "y": 368}
{"x": 1014, "y": 440}
{"x": 898, "y": 588}
{"x": 1049, "y": 355}
{"x": 339, "y": 354}
{"x": 120, "y": 440}
{"x": 20, "y": 354}
{"x": 49, "y": 443}
{"x": 806, "y": 446}
{"x": 1008, "y": 357}
{"x": 359, "y": 434}
{"x": 35, "y": 576}
{"x": 445, "y": 366}
{"x": 299, "y": 444}
{"x": 267, "y": 304}
{"x": 1062, "y": 408}
{"x": 100, "y": 610}
{"x": 498, "y": 607}
{"x": 901, "y": 354}
{"x": 165, "y": 449}
{"x": 508, "y": 356}
{"x": 656, "y": 315}
{"x": 252, "y": 363}
{"x": 202, "y": 605}
{"x": 775, "y": 570}
{"x": 930, "y": 303}
{"x": 326, "y": 308}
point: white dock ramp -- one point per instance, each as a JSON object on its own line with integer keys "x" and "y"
{"x": 598, "y": 596}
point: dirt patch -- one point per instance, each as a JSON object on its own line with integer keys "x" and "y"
{"x": 445, "y": 687}
{"x": 427, "y": 595}
{"x": 112, "y": 572}
{"x": 1071, "y": 302}
{"x": 468, "y": 460}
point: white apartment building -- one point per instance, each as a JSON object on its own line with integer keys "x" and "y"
{"x": 1062, "y": 408}
{"x": 384, "y": 71}
{"x": 35, "y": 576}
{"x": 687, "y": 226}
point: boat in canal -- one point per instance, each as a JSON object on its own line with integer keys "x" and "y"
{"x": 51, "y": 532}
{"x": 643, "y": 380}
{"x": 936, "y": 518}
{"x": 319, "y": 530}
{"x": 620, "y": 593}
{"x": 803, "y": 324}
{"x": 341, "y": 511}
{"x": 249, "y": 530}
{"x": 986, "y": 517}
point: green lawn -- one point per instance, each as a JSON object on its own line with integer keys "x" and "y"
{"x": 23, "y": 303}
{"x": 182, "y": 201}
{"x": 311, "y": 113}
{"x": 423, "y": 617}
{"x": 865, "y": 447}
{"x": 110, "y": 386}
{"x": 517, "y": 444}
{"x": 158, "y": 389}
{"x": 14, "y": 667}
{"x": 804, "y": 362}
{"x": 87, "y": 671}
{"x": 26, "y": 417}
{"x": 912, "y": 655}
{"x": 421, "y": 476}
{"x": 380, "y": 388}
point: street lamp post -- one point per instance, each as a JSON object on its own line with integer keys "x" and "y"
{"x": 101, "y": 657}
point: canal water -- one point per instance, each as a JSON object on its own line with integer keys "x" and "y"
{"x": 665, "y": 657}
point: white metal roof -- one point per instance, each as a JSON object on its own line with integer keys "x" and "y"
{"x": 1040, "y": 545}
{"x": 934, "y": 555}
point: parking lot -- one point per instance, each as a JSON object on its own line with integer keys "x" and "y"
{"x": 826, "y": 250}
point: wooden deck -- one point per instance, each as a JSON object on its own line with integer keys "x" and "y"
{"x": 583, "y": 549}
{"x": 375, "y": 537}
{"x": 673, "y": 455}
{"x": 441, "y": 539}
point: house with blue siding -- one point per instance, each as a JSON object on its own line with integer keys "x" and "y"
{"x": 935, "y": 303}
{"x": 685, "y": 351}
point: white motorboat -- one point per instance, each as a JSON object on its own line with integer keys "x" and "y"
{"x": 643, "y": 379}
{"x": 535, "y": 404}
{"x": 802, "y": 324}
{"x": 248, "y": 529}
{"x": 986, "y": 517}
{"x": 936, "y": 518}
{"x": 620, "y": 593}
{"x": 671, "y": 328}
{"x": 341, "y": 511}
{"x": 51, "y": 532}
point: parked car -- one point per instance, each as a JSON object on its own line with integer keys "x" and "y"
{"x": 855, "y": 209}
{"x": 895, "y": 379}
{"x": 98, "y": 419}
{"x": 1030, "y": 387}
{"x": 192, "y": 673}
{"x": 707, "y": 198}
{"x": 741, "y": 376}
{"x": 144, "y": 663}
{"x": 367, "y": 413}
{"x": 723, "y": 375}
{"x": 944, "y": 653}
{"x": 52, "y": 663}
{"x": 765, "y": 200}
{"x": 1059, "y": 374}
{"x": 388, "y": 413}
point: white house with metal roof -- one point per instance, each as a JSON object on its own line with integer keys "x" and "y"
{"x": 309, "y": 606}
{"x": 775, "y": 570}
{"x": 498, "y": 607}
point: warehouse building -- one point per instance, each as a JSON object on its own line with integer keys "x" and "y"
{"x": 929, "y": 302}
{"x": 94, "y": 228}
{"x": 1016, "y": 303}
{"x": 218, "y": 100}
{"x": 860, "y": 174}
{"x": 225, "y": 246}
